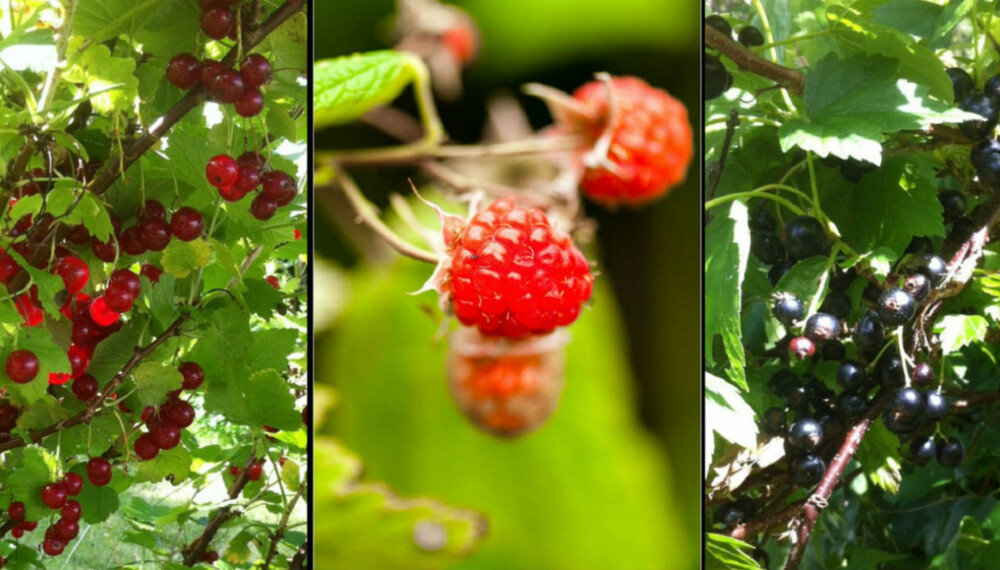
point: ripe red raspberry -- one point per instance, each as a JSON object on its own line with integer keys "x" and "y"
{"x": 650, "y": 146}
{"x": 505, "y": 388}
{"x": 512, "y": 274}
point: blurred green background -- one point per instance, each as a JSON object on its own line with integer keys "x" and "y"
{"x": 613, "y": 482}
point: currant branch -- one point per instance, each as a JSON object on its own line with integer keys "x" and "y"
{"x": 790, "y": 79}
{"x": 197, "y": 549}
{"x": 279, "y": 533}
{"x": 95, "y": 408}
{"x": 300, "y": 557}
{"x": 118, "y": 163}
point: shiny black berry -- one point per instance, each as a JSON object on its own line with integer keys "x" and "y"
{"x": 950, "y": 452}
{"x": 729, "y": 515}
{"x": 961, "y": 81}
{"x": 805, "y": 435}
{"x": 778, "y": 270}
{"x": 822, "y": 327}
{"x": 804, "y": 237}
{"x": 896, "y": 307}
{"x": 717, "y": 78}
{"x": 935, "y": 406}
{"x": 962, "y": 229}
{"x": 869, "y": 333}
{"x": 852, "y": 406}
{"x": 797, "y": 398}
{"x": 775, "y": 421}
{"x": 719, "y": 23}
{"x": 801, "y": 347}
{"x": 806, "y": 470}
{"x": 762, "y": 220}
{"x": 905, "y": 411}
{"x": 767, "y": 247}
{"x": 833, "y": 426}
{"x": 922, "y": 375}
{"x": 851, "y": 375}
{"x": 889, "y": 370}
{"x": 923, "y": 449}
{"x": 918, "y": 286}
{"x": 837, "y": 303}
{"x": 985, "y": 158}
{"x": 788, "y": 309}
{"x": 952, "y": 205}
{"x": 933, "y": 267}
{"x": 982, "y": 105}
{"x": 750, "y": 37}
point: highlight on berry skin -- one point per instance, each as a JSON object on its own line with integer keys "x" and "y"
{"x": 505, "y": 272}
{"x": 153, "y": 318}
{"x": 849, "y": 289}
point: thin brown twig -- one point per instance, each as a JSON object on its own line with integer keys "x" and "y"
{"x": 731, "y": 123}
{"x": 279, "y": 533}
{"x": 791, "y": 79}
{"x": 197, "y": 549}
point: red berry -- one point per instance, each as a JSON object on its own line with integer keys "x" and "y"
{"x": 512, "y": 274}
{"x": 73, "y": 484}
{"x": 461, "y": 42}
{"x": 263, "y": 208}
{"x": 210, "y": 557}
{"x": 193, "y": 375}
{"x": 801, "y": 347}
{"x": 106, "y": 251}
{"x": 74, "y": 273}
{"x": 53, "y": 546}
{"x": 102, "y": 313}
{"x": 250, "y": 103}
{"x": 79, "y": 360}
{"x": 166, "y": 435}
{"x": 29, "y": 310}
{"x": 132, "y": 242}
{"x": 29, "y": 525}
{"x": 85, "y": 387}
{"x": 22, "y": 366}
{"x": 8, "y": 416}
{"x": 231, "y": 193}
{"x": 234, "y": 471}
{"x": 54, "y": 496}
{"x": 217, "y": 21}
{"x": 155, "y": 234}
{"x": 253, "y": 159}
{"x": 16, "y": 511}
{"x": 145, "y": 447}
{"x": 256, "y": 70}
{"x": 72, "y": 511}
{"x": 147, "y": 414}
{"x": 297, "y": 234}
{"x": 209, "y": 70}
{"x": 222, "y": 171}
{"x": 124, "y": 279}
{"x": 152, "y": 210}
{"x": 150, "y": 272}
{"x": 273, "y": 281}
{"x": 651, "y": 146}
{"x": 248, "y": 179}
{"x": 187, "y": 224}
{"x": 227, "y": 87}
{"x": 177, "y": 412}
{"x": 254, "y": 472}
{"x": 99, "y": 471}
{"x": 278, "y": 186}
{"x": 66, "y": 529}
{"x": 184, "y": 71}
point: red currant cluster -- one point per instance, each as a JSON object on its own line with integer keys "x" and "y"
{"x": 239, "y": 88}
{"x": 56, "y": 496}
{"x": 254, "y": 472}
{"x": 164, "y": 424}
{"x": 151, "y": 231}
{"x": 235, "y": 178}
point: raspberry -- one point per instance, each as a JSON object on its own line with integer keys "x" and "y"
{"x": 650, "y": 147}
{"x": 512, "y": 274}
{"x": 504, "y": 388}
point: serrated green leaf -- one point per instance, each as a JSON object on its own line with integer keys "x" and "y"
{"x": 153, "y": 381}
{"x": 347, "y": 87}
{"x": 725, "y": 553}
{"x": 290, "y": 474}
{"x": 174, "y": 463}
{"x": 727, "y": 241}
{"x": 878, "y": 455}
{"x": 180, "y": 258}
{"x": 956, "y": 331}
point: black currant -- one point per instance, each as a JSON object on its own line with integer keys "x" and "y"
{"x": 805, "y": 435}
{"x": 950, "y": 452}
{"x": 788, "y": 309}
{"x": 775, "y": 421}
{"x": 822, "y": 327}
{"x": 889, "y": 370}
{"x": 961, "y": 82}
{"x": 804, "y": 237}
{"x": 767, "y": 247}
{"x": 852, "y": 406}
{"x": 841, "y": 280}
{"x": 717, "y": 78}
{"x": 923, "y": 449}
{"x": 917, "y": 285}
{"x": 781, "y": 381}
{"x": 797, "y": 398}
{"x": 851, "y": 375}
{"x": 728, "y": 515}
{"x": 750, "y": 37}
{"x": 935, "y": 406}
{"x": 806, "y": 470}
{"x": 778, "y": 270}
{"x": 952, "y": 204}
{"x": 896, "y": 307}
{"x": 922, "y": 375}
{"x": 933, "y": 267}
{"x": 853, "y": 170}
{"x": 962, "y": 229}
{"x": 801, "y": 347}
{"x": 762, "y": 220}
{"x": 837, "y": 303}
{"x": 869, "y": 333}
{"x": 982, "y": 105}
{"x": 986, "y": 160}
{"x": 905, "y": 411}
{"x": 833, "y": 350}
{"x": 992, "y": 88}
{"x": 918, "y": 245}
{"x": 832, "y": 425}
{"x": 719, "y": 23}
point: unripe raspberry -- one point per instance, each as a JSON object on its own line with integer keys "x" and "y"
{"x": 650, "y": 147}
{"x": 512, "y": 274}
{"x": 506, "y": 388}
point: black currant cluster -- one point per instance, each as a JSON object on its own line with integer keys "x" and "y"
{"x": 802, "y": 237}
{"x": 851, "y": 169}
{"x": 718, "y": 80}
{"x": 985, "y": 103}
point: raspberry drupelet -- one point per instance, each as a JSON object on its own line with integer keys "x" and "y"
{"x": 512, "y": 274}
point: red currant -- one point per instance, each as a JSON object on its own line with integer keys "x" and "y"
{"x": 85, "y": 387}
{"x": 53, "y": 546}
{"x": 152, "y": 210}
{"x": 132, "y": 242}
{"x": 118, "y": 300}
{"x": 187, "y": 224}
{"x": 250, "y": 103}
{"x": 217, "y": 21}
{"x": 155, "y": 234}
{"x": 273, "y": 281}
{"x": 166, "y": 435}
{"x": 16, "y": 511}
{"x": 73, "y": 484}
{"x": 102, "y": 314}
{"x": 150, "y": 272}
{"x": 106, "y": 251}
{"x": 66, "y": 530}
{"x": 256, "y": 70}
{"x": 8, "y": 416}
{"x": 227, "y": 87}
{"x": 145, "y": 448}
{"x": 278, "y": 186}
{"x": 193, "y": 375}
{"x": 74, "y": 273}
{"x": 126, "y": 280}
{"x": 22, "y": 366}
{"x": 263, "y": 208}
{"x": 78, "y": 360}
{"x": 184, "y": 71}
{"x": 254, "y": 472}
{"x": 72, "y": 511}
{"x": 209, "y": 70}
{"x": 222, "y": 171}
{"x": 54, "y": 496}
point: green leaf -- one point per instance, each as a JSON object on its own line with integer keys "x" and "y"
{"x": 98, "y": 503}
{"x": 180, "y": 258}
{"x": 174, "y": 463}
{"x": 153, "y": 381}
{"x": 956, "y": 331}
{"x": 807, "y": 280}
{"x": 112, "y": 353}
{"x": 878, "y": 455}
{"x": 49, "y": 285}
{"x": 727, "y": 414}
{"x": 52, "y": 359}
{"x": 727, "y": 242}
{"x": 90, "y": 212}
{"x": 112, "y": 77}
{"x": 280, "y": 123}
{"x": 290, "y": 475}
{"x": 853, "y": 102}
{"x": 347, "y": 87}
{"x": 725, "y": 553}
{"x": 263, "y": 398}
{"x": 101, "y": 20}
{"x": 238, "y": 550}
{"x": 37, "y": 467}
